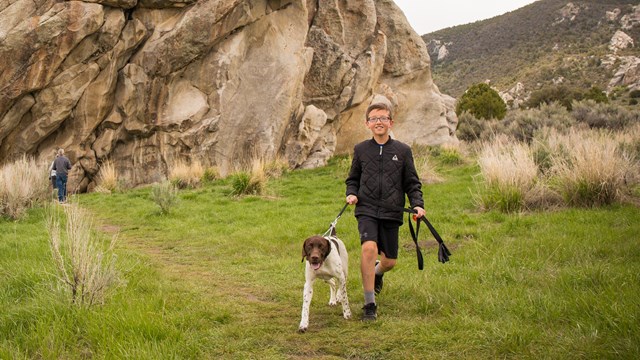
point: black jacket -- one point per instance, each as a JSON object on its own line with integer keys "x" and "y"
{"x": 384, "y": 173}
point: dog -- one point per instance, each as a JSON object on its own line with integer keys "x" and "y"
{"x": 328, "y": 260}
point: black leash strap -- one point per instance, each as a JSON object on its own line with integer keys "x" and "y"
{"x": 443, "y": 251}
{"x": 333, "y": 224}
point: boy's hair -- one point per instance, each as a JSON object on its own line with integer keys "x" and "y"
{"x": 60, "y": 151}
{"x": 379, "y": 106}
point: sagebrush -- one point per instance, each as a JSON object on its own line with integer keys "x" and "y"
{"x": 85, "y": 266}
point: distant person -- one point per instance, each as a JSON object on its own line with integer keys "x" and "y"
{"x": 61, "y": 165}
{"x": 52, "y": 173}
{"x": 382, "y": 172}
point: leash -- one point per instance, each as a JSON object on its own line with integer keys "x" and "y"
{"x": 333, "y": 224}
{"x": 443, "y": 251}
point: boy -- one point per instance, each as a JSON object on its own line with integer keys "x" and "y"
{"x": 382, "y": 172}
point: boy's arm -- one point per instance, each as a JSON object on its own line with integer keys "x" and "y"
{"x": 353, "y": 179}
{"x": 412, "y": 185}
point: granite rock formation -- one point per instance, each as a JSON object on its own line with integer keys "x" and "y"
{"x": 146, "y": 83}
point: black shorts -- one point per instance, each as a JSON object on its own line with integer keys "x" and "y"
{"x": 383, "y": 232}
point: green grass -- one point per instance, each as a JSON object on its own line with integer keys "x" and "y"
{"x": 221, "y": 277}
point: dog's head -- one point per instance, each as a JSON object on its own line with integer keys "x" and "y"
{"x": 316, "y": 249}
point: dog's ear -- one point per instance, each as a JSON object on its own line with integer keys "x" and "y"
{"x": 304, "y": 250}
{"x": 328, "y": 242}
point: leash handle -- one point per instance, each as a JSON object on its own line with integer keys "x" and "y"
{"x": 443, "y": 251}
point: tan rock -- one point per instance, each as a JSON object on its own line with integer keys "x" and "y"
{"x": 31, "y": 65}
{"x": 217, "y": 81}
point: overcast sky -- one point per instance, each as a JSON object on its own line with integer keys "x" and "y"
{"x": 426, "y": 16}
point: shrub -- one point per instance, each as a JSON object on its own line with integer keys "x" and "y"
{"x": 165, "y": 195}
{"x": 450, "y": 155}
{"x": 560, "y": 94}
{"x": 524, "y": 124}
{"x": 469, "y": 127}
{"x": 592, "y": 171}
{"x": 23, "y": 184}
{"x": 107, "y": 178}
{"x": 596, "y": 94}
{"x": 86, "y": 270}
{"x": 184, "y": 175}
{"x": 604, "y": 116}
{"x": 483, "y": 102}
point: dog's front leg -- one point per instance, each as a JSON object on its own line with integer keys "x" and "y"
{"x": 307, "y": 294}
{"x": 343, "y": 298}
{"x": 333, "y": 292}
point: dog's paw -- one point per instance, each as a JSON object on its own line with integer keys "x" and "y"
{"x": 302, "y": 329}
{"x": 347, "y": 315}
{"x": 333, "y": 303}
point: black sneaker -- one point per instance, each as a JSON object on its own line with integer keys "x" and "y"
{"x": 369, "y": 312}
{"x": 377, "y": 285}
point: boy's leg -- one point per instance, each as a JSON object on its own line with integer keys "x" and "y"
{"x": 388, "y": 240}
{"x": 368, "y": 228}
{"x": 368, "y": 264}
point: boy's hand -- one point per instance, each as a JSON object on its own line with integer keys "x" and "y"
{"x": 352, "y": 199}
{"x": 419, "y": 212}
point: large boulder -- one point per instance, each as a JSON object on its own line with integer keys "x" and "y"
{"x": 152, "y": 82}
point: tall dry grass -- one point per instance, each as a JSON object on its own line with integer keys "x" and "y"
{"x": 186, "y": 175}
{"x": 581, "y": 167}
{"x": 23, "y": 184}
{"x": 86, "y": 270}
{"x": 275, "y": 168}
{"x": 107, "y": 178}
{"x": 251, "y": 181}
{"x": 427, "y": 171}
{"x": 589, "y": 168}
{"x": 510, "y": 176}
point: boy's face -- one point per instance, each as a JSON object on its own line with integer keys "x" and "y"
{"x": 381, "y": 123}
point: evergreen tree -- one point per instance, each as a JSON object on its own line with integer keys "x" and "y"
{"x": 483, "y": 102}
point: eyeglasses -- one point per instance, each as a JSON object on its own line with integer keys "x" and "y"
{"x": 382, "y": 119}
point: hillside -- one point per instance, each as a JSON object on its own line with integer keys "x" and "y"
{"x": 547, "y": 42}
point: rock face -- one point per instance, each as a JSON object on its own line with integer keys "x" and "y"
{"x": 620, "y": 41}
{"x": 148, "y": 83}
{"x": 627, "y": 74}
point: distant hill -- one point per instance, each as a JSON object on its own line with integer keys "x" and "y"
{"x": 546, "y": 42}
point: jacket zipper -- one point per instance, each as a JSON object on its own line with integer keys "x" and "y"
{"x": 380, "y": 179}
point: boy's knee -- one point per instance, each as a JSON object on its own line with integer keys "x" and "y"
{"x": 388, "y": 264}
{"x": 369, "y": 248}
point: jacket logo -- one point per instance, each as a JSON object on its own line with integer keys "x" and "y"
{"x": 395, "y": 158}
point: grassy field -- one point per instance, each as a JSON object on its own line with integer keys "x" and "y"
{"x": 221, "y": 277}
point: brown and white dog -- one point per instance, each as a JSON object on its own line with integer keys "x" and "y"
{"x": 328, "y": 260}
